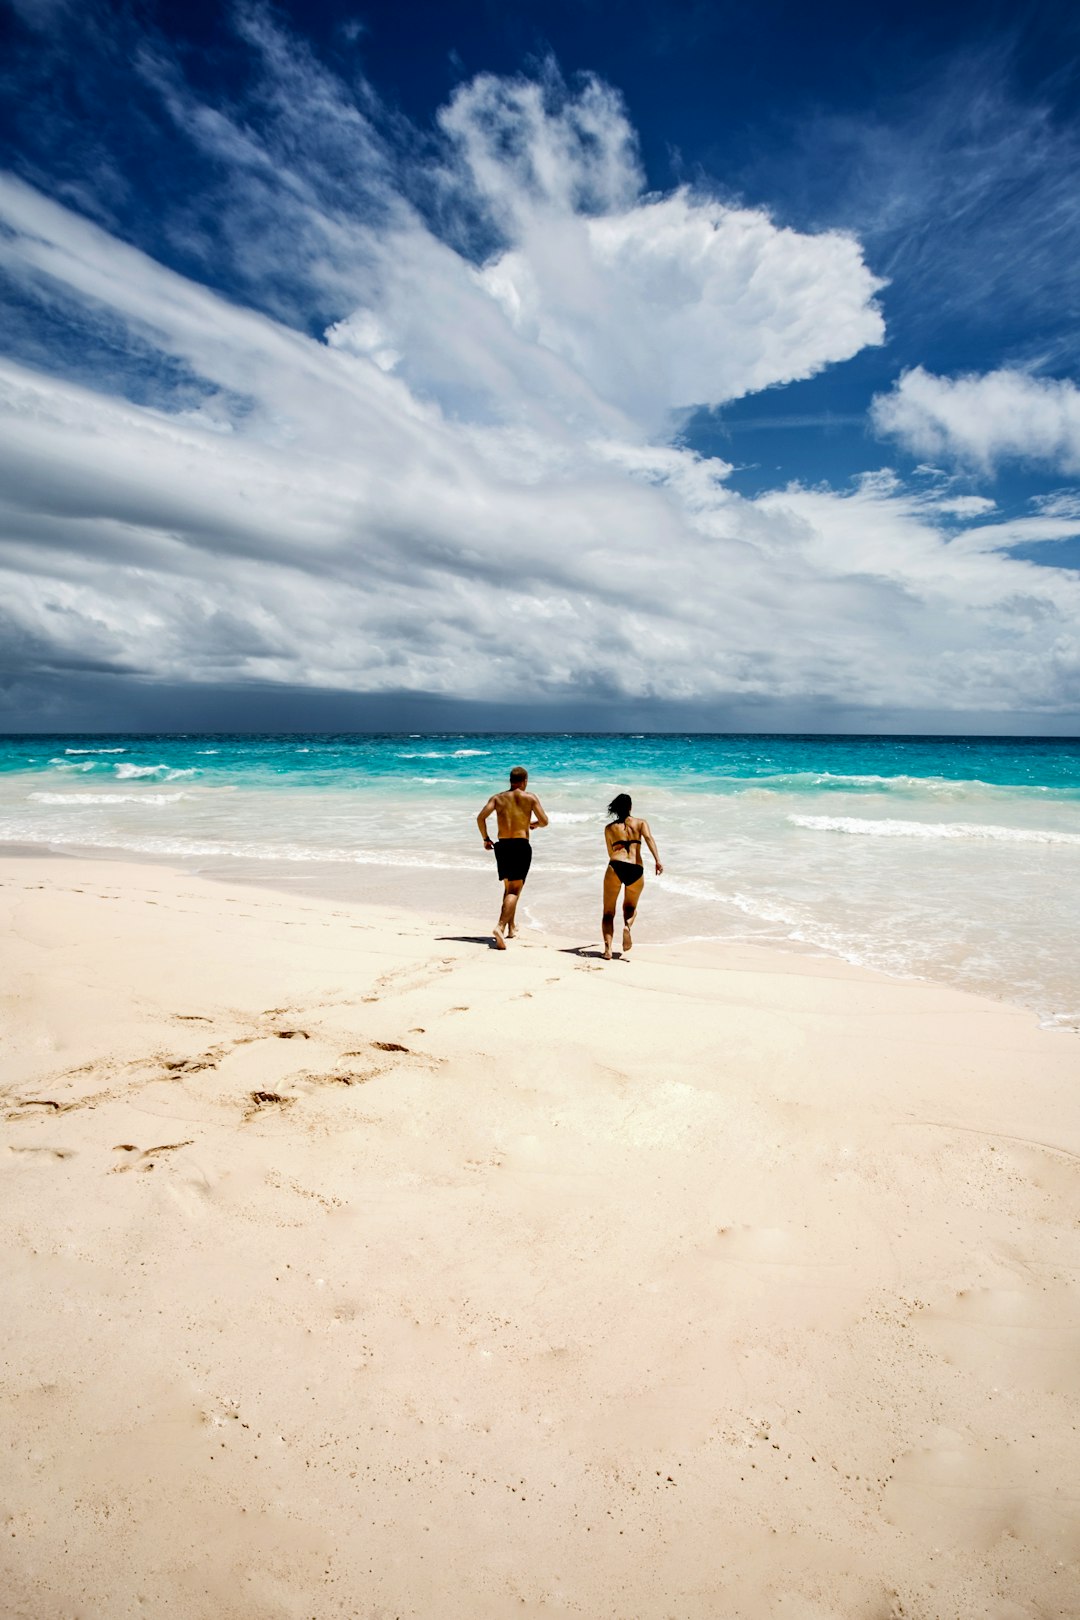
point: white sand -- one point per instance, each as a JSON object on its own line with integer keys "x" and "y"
{"x": 714, "y": 1283}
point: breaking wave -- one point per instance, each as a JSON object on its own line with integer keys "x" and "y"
{"x": 167, "y": 773}
{"x": 441, "y": 753}
{"x": 888, "y": 828}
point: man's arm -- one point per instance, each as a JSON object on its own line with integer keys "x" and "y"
{"x": 648, "y": 837}
{"x": 537, "y": 811}
{"x": 482, "y": 819}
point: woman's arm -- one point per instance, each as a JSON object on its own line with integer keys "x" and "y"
{"x": 646, "y": 833}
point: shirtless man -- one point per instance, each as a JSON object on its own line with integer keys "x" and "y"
{"x": 518, "y": 813}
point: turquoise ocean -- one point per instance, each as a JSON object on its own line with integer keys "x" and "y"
{"x": 948, "y": 859}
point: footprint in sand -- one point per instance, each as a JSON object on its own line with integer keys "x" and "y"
{"x": 213, "y": 1056}
{"x": 146, "y": 1159}
{"x": 193, "y": 1065}
{"x": 24, "y": 1104}
{"x": 343, "y": 1077}
{"x": 404, "y": 980}
{"x": 49, "y": 1152}
{"x": 263, "y": 1100}
{"x": 33, "y": 1107}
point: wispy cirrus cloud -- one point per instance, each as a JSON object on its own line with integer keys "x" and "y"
{"x": 963, "y": 190}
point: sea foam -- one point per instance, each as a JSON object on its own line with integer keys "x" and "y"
{"x": 889, "y": 828}
{"x": 106, "y": 798}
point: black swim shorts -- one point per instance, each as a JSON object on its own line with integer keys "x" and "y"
{"x": 513, "y": 857}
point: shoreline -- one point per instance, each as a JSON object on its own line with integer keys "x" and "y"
{"x": 947, "y": 862}
{"x": 1060, "y": 1022}
{"x": 356, "y": 1267}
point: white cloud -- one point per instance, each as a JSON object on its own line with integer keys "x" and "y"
{"x": 528, "y": 148}
{"x": 1058, "y": 503}
{"x": 469, "y": 486}
{"x": 985, "y": 419}
{"x": 602, "y": 299}
{"x": 965, "y": 505}
{"x": 414, "y": 553}
{"x": 554, "y": 289}
{"x": 1017, "y": 532}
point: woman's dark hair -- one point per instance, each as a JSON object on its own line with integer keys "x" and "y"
{"x": 620, "y": 807}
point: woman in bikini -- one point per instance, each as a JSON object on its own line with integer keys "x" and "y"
{"x": 624, "y": 837}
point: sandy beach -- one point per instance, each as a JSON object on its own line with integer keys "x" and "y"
{"x": 354, "y": 1269}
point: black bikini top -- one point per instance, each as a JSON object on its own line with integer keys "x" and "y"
{"x": 624, "y": 843}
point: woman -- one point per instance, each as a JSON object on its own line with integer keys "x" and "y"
{"x": 624, "y": 836}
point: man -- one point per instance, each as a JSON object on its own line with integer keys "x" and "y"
{"x": 518, "y": 813}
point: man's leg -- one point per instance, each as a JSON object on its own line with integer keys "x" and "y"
{"x": 512, "y": 887}
{"x": 629, "y": 912}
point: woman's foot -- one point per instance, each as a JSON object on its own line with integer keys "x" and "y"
{"x": 627, "y": 941}
{"x": 607, "y": 954}
{"x": 497, "y": 937}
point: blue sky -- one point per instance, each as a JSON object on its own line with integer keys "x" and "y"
{"x": 556, "y": 364}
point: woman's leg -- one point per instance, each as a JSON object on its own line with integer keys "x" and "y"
{"x": 629, "y": 911}
{"x": 611, "y": 900}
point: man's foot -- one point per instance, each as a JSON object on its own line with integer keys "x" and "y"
{"x": 627, "y": 940}
{"x": 511, "y": 931}
{"x": 497, "y": 937}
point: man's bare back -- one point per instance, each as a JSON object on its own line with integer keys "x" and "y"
{"x": 517, "y": 812}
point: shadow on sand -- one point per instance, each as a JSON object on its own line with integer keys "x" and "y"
{"x": 486, "y": 940}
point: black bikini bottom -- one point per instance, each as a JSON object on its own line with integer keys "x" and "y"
{"x": 626, "y": 871}
{"x": 513, "y": 857}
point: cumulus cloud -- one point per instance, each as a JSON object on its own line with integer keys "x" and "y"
{"x": 600, "y": 305}
{"x": 465, "y": 477}
{"x": 985, "y": 419}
